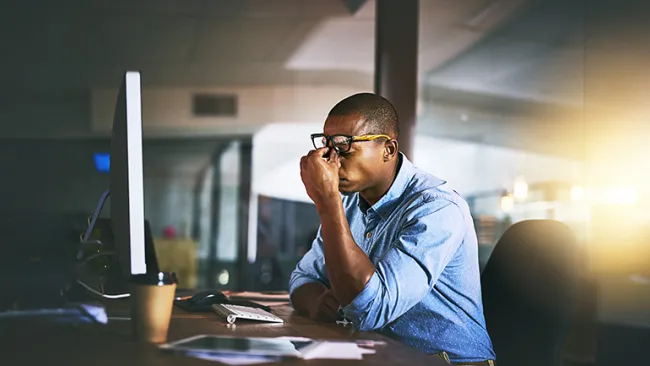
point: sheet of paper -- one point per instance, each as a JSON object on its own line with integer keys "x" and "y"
{"x": 232, "y": 359}
{"x": 337, "y": 351}
{"x": 360, "y": 342}
{"x": 333, "y": 350}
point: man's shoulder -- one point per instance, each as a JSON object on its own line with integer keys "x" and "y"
{"x": 427, "y": 189}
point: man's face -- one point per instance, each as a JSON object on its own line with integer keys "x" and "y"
{"x": 361, "y": 165}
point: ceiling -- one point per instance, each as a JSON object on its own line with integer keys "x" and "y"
{"x": 537, "y": 56}
{"x": 446, "y": 28}
{"x": 76, "y": 44}
{"x": 84, "y": 44}
{"x": 522, "y": 86}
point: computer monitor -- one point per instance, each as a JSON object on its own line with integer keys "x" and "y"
{"x": 126, "y": 177}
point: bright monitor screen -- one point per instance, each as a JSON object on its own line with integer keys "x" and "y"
{"x": 127, "y": 190}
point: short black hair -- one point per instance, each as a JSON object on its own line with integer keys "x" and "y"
{"x": 377, "y": 111}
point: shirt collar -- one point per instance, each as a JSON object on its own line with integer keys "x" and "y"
{"x": 389, "y": 201}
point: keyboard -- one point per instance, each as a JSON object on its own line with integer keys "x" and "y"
{"x": 233, "y": 312}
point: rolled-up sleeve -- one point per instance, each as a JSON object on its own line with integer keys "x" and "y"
{"x": 410, "y": 267}
{"x": 311, "y": 268}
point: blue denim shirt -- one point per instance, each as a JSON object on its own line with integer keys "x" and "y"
{"x": 426, "y": 289}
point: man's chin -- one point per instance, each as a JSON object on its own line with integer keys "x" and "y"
{"x": 346, "y": 186}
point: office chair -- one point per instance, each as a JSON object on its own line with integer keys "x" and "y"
{"x": 529, "y": 289}
{"x": 581, "y": 346}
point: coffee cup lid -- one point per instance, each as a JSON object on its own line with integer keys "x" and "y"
{"x": 159, "y": 278}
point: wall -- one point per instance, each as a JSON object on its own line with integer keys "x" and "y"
{"x": 55, "y": 178}
{"x": 166, "y": 111}
{"x": 47, "y": 190}
{"x": 44, "y": 114}
{"x": 169, "y": 110}
{"x": 50, "y": 176}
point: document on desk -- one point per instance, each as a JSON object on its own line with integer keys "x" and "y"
{"x": 72, "y": 314}
{"x": 265, "y": 350}
{"x": 324, "y": 350}
{"x": 334, "y": 350}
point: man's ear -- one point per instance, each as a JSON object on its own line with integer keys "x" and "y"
{"x": 391, "y": 148}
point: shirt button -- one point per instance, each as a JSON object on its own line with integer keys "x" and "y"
{"x": 369, "y": 235}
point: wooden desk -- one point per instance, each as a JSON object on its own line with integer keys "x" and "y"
{"x": 31, "y": 342}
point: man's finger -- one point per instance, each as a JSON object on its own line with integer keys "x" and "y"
{"x": 335, "y": 159}
{"x": 331, "y": 303}
{"x": 333, "y": 314}
{"x": 327, "y": 314}
{"x": 331, "y": 300}
{"x": 322, "y": 151}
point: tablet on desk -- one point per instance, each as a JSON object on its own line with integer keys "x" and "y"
{"x": 276, "y": 347}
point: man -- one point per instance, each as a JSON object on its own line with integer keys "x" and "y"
{"x": 399, "y": 252}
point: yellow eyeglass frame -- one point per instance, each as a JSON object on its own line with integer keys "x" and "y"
{"x": 350, "y": 139}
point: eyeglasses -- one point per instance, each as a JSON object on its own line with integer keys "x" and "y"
{"x": 341, "y": 143}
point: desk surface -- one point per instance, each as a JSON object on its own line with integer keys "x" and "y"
{"x": 31, "y": 342}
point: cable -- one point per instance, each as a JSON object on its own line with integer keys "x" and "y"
{"x": 91, "y": 226}
{"x": 92, "y": 290}
{"x": 98, "y": 210}
{"x": 96, "y": 255}
{"x": 98, "y": 293}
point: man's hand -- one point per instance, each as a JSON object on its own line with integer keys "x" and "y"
{"x": 325, "y": 308}
{"x": 320, "y": 175}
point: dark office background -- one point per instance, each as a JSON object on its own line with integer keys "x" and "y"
{"x": 542, "y": 88}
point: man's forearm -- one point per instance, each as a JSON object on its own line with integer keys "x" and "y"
{"x": 305, "y": 296}
{"x": 348, "y": 267}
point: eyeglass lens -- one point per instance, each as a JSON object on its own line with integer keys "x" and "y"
{"x": 340, "y": 143}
